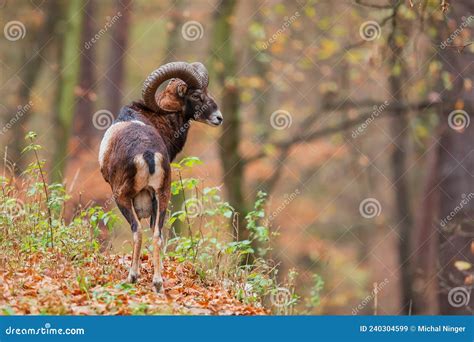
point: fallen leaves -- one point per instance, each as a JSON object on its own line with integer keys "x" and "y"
{"x": 52, "y": 284}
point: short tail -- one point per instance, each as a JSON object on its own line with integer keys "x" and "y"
{"x": 149, "y": 157}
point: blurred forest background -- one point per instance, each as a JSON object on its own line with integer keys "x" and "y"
{"x": 354, "y": 116}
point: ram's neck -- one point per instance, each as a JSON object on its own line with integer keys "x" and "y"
{"x": 172, "y": 127}
{"x": 174, "y": 130}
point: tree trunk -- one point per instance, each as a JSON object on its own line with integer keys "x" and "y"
{"x": 425, "y": 265}
{"x": 403, "y": 215}
{"x": 172, "y": 50}
{"x": 30, "y": 72}
{"x": 456, "y": 165}
{"x": 69, "y": 68}
{"x": 224, "y": 66}
{"x": 116, "y": 72}
{"x": 83, "y": 127}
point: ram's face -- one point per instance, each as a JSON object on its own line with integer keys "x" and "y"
{"x": 197, "y": 104}
{"x": 201, "y": 106}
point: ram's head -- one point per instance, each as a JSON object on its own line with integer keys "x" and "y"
{"x": 186, "y": 94}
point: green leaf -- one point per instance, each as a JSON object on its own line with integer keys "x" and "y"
{"x": 190, "y": 161}
{"x": 30, "y": 135}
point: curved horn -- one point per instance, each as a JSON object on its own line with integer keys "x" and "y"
{"x": 181, "y": 70}
{"x": 203, "y": 72}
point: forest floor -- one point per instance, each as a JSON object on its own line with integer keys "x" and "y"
{"x": 53, "y": 284}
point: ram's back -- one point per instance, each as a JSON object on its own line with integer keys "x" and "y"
{"x": 131, "y": 155}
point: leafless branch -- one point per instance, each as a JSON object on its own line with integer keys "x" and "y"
{"x": 343, "y": 126}
{"x": 460, "y": 48}
{"x": 371, "y": 5}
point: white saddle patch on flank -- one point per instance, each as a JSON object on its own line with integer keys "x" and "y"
{"x": 110, "y": 133}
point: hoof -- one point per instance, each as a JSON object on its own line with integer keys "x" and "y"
{"x": 158, "y": 284}
{"x": 132, "y": 278}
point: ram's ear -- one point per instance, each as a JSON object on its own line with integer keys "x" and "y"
{"x": 181, "y": 89}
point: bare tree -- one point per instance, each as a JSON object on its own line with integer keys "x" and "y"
{"x": 399, "y": 130}
{"x": 65, "y": 101}
{"x": 456, "y": 165}
{"x": 83, "y": 128}
{"x": 116, "y": 71}
{"x": 231, "y": 160}
{"x": 35, "y": 48}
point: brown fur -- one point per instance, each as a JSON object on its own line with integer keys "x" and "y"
{"x": 138, "y": 137}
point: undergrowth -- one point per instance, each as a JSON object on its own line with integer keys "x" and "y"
{"x": 33, "y": 220}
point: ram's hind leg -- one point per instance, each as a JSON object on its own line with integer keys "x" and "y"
{"x": 159, "y": 210}
{"x": 126, "y": 207}
{"x": 157, "y": 242}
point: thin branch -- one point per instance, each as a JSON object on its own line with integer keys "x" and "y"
{"x": 460, "y": 48}
{"x": 343, "y": 126}
{"x": 377, "y": 6}
{"x": 347, "y": 104}
{"x": 46, "y": 193}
